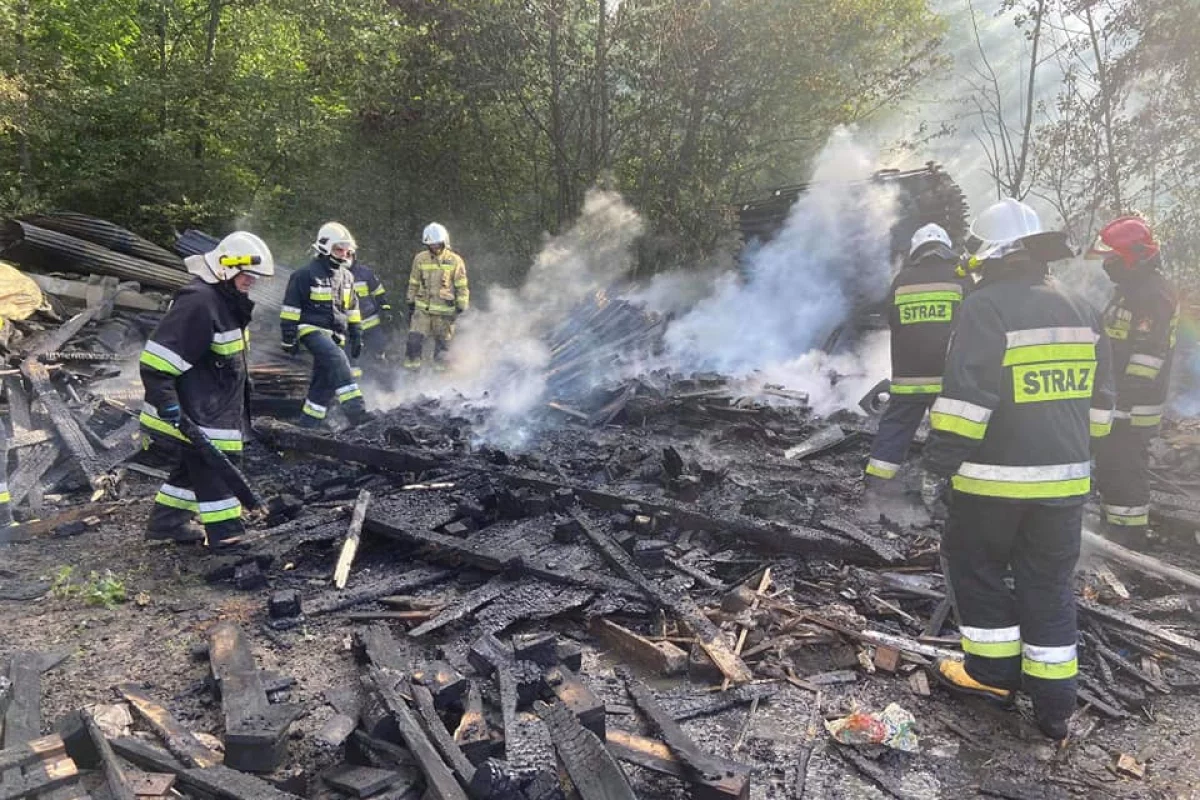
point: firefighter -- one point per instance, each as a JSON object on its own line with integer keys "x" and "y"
{"x": 1140, "y": 320}
{"x": 1026, "y": 388}
{"x": 194, "y": 364}
{"x": 321, "y": 312}
{"x": 923, "y": 300}
{"x": 375, "y": 309}
{"x": 437, "y": 293}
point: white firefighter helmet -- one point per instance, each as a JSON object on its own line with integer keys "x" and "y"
{"x": 329, "y": 236}
{"x": 929, "y": 233}
{"x": 436, "y": 233}
{"x": 238, "y": 252}
{"x": 1002, "y": 226}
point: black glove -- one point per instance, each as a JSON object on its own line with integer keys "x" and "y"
{"x": 291, "y": 348}
{"x": 170, "y": 414}
{"x": 354, "y": 344}
{"x": 935, "y": 495}
{"x": 339, "y": 339}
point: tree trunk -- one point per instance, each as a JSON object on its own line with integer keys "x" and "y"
{"x": 557, "y": 132}
{"x": 210, "y": 53}
{"x": 25, "y": 152}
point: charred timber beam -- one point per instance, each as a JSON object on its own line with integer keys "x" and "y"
{"x": 577, "y": 697}
{"x": 435, "y": 729}
{"x": 178, "y": 739}
{"x": 335, "y": 601}
{"x": 398, "y": 459}
{"x": 1178, "y": 641}
{"x": 663, "y": 657}
{"x": 780, "y": 538}
{"x": 341, "y": 572}
{"x": 679, "y": 603}
{"x": 1141, "y": 561}
{"x": 696, "y": 762}
{"x": 468, "y": 604}
{"x": 216, "y": 781}
{"x": 114, "y": 773}
{"x": 592, "y": 768}
{"x": 440, "y": 781}
{"x": 256, "y": 732}
{"x": 472, "y": 553}
{"x": 472, "y": 734}
{"x": 655, "y": 756}
{"x": 54, "y": 340}
{"x": 18, "y": 755}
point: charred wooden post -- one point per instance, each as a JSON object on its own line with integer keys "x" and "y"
{"x": 466, "y": 605}
{"x": 397, "y": 459}
{"x": 64, "y": 421}
{"x": 256, "y": 732}
{"x": 334, "y": 601}
{"x": 655, "y": 756}
{"x": 445, "y": 684}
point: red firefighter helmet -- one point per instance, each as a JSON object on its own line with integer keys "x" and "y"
{"x": 1128, "y": 237}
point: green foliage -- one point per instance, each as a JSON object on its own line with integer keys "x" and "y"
{"x": 492, "y": 116}
{"x": 105, "y": 589}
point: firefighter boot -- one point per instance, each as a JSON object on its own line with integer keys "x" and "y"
{"x": 356, "y": 413}
{"x": 188, "y": 532}
{"x": 414, "y": 348}
{"x": 954, "y": 675}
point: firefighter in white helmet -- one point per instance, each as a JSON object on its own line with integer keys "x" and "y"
{"x": 437, "y": 293}
{"x": 195, "y": 364}
{"x": 1025, "y": 389}
{"x": 321, "y": 311}
{"x": 922, "y": 305}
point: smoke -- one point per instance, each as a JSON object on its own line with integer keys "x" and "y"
{"x": 831, "y": 255}
{"x": 498, "y": 358}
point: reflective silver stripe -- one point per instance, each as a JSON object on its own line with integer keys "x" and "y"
{"x": 349, "y": 387}
{"x": 219, "y": 505}
{"x": 229, "y": 434}
{"x": 886, "y": 466}
{"x": 1127, "y": 511}
{"x": 1051, "y": 336}
{"x": 1146, "y": 411}
{"x": 1147, "y": 361}
{"x": 225, "y": 337}
{"x": 1048, "y": 472}
{"x": 149, "y": 409}
{"x": 1120, "y": 415}
{"x": 918, "y": 288}
{"x": 3, "y": 487}
{"x": 178, "y": 492}
{"x": 1100, "y": 416}
{"x": 917, "y": 381}
{"x": 167, "y": 354}
{"x": 315, "y": 406}
{"x": 991, "y": 635}
{"x": 1049, "y": 655}
{"x": 961, "y": 408}
{"x": 291, "y": 309}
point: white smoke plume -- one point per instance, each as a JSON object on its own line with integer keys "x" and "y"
{"x": 499, "y": 355}
{"x": 832, "y": 254}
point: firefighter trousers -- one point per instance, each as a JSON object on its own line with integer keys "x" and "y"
{"x": 1123, "y": 474}
{"x": 193, "y": 488}
{"x": 438, "y": 326}
{"x": 331, "y": 377}
{"x": 897, "y": 427}
{"x": 1024, "y": 635}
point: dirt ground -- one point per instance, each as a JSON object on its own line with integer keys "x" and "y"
{"x": 151, "y": 638}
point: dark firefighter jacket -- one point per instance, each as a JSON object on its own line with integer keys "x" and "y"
{"x": 196, "y": 359}
{"x": 372, "y": 296}
{"x": 319, "y": 297}
{"x": 925, "y": 298}
{"x": 1141, "y": 321}
{"x": 1027, "y": 385}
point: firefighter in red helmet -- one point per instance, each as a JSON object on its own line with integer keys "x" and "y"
{"x": 1141, "y": 319}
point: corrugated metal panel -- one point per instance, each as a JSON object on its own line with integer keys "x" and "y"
{"x": 106, "y": 234}
{"x": 39, "y": 248}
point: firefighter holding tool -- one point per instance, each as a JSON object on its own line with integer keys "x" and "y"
{"x": 194, "y": 371}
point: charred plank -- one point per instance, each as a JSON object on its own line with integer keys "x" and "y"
{"x": 256, "y": 732}
{"x": 593, "y": 770}
{"x": 704, "y": 766}
{"x": 435, "y": 729}
{"x": 398, "y": 459}
{"x": 178, "y": 739}
{"x": 655, "y": 756}
{"x": 679, "y": 603}
{"x": 217, "y": 780}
